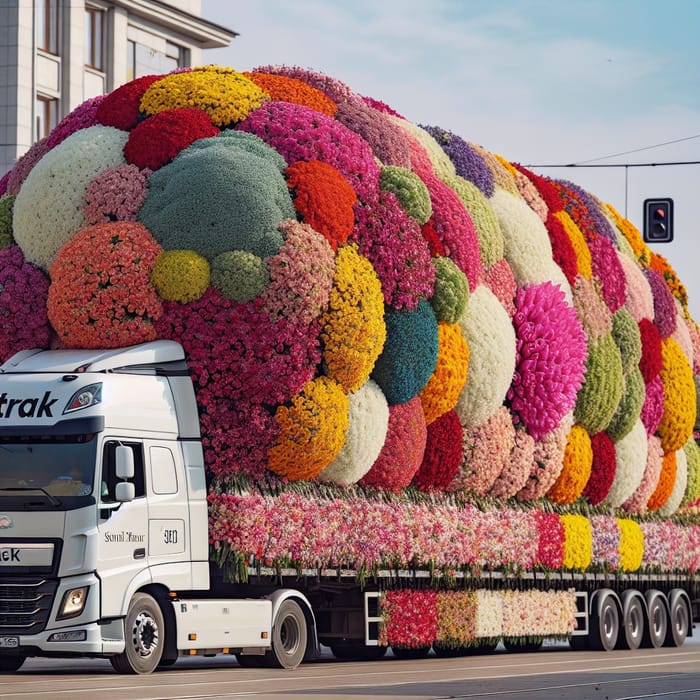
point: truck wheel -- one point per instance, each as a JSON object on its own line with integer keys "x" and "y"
{"x": 632, "y": 632}
{"x": 288, "y": 637}
{"x": 655, "y": 634}
{"x": 605, "y": 625}
{"x": 144, "y": 630}
{"x": 9, "y": 664}
{"x": 679, "y": 624}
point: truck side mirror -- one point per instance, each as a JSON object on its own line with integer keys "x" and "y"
{"x": 125, "y": 491}
{"x": 124, "y": 462}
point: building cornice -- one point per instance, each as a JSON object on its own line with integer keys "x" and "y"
{"x": 207, "y": 34}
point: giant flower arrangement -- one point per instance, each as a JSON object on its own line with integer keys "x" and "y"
{"x": 412, "y": 327}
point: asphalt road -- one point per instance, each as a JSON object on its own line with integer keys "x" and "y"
{"x": 553, "y": 672}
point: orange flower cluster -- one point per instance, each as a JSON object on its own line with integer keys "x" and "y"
{"x": 666, "y": 481}
{"x": 441, "y": 392}
{"x": 101, "y": 294}
{"x": 282, "y": 88}
{"x": 313, "y": 430}
{"x": 578, "y": 462}
{"x": 323, "y": 198}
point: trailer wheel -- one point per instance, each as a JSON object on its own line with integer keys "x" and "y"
{"x": 605, "y": 625}
{"x": 10, "y": 664}
{"x": 145, "y": 634}
{"x": 288, "y": 637}
{"x": 679, "y": 624}
{"x": 410, "y": 652}
{"x": 655, "y": 634}
{"x": 632, "y": 631}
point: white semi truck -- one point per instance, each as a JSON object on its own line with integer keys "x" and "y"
{"x": 104, "y": 547}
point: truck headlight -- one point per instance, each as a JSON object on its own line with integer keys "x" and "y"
{"x": 73, "y": 603}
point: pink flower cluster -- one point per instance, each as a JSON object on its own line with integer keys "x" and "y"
{"x": 116, "y": 194}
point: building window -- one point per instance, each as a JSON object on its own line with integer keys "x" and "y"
{"x": 46, "y": 110}
{"x": 144, "y": 60}
{"x": 94, "y": 38}
{"x": 47, "y": 25}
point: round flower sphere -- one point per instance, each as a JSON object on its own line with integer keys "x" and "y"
{"x": 239, "y": 275}
{"x": 180, "y": 275}
{"x": 48, "y": 209}
{"x": 602, "y": 469}
{"x": 116, "y": 194}
{"x": 354, "y": 331}
{"x": 637, "y": 502}
{"x": 156, "y": 140}
{"x": 313, "y": 430}
{"x": 101, "y": 295}
{"x": 283, "y": 88}
{"x": 402, "y": 452}
{"x": 631, "y": 458}
{"x": 629, "y": 409}
{"x": 368, "y": 422}
{"x": 409, "y": 189}
{"x": 225, "y": 95}
{"x": 410, "y": 353}
{"x": 451, "y": 291}
{"x": 120, "y": 108}
{"x": 578, "y": 462}
{"x": 226, "y": 186}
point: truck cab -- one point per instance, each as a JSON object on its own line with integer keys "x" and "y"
{"x": 102, "y": 494}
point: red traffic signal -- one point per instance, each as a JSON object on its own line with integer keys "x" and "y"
{"x": 658, "y": 220}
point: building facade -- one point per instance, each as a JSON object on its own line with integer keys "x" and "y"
{"x": 55, "y": 54}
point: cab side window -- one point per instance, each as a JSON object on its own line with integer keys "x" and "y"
{"x": 109, "y": 477}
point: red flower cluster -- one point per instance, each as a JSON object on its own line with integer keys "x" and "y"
{"x": 120, "y": 108}
{"x": 410, "y": 618}
{"x": 603, "y": 469}
{"x": 443, "y": 453}
{"x": 157, "y": 140}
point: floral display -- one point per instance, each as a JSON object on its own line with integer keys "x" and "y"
{"x": 490, "y": 336}
{"x": 406, "y": 351}
{"x": 550, "y": 356}
{"x": 410, "y": 618}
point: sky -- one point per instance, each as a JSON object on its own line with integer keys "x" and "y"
{"x": 540, "y": 82}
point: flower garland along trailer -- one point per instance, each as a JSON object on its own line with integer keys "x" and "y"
{"x": 330, "y": 377}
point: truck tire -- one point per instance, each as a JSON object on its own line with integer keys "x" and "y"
{"x": 144, "y": 630}
{"x": 679, "y": 624}
{"x": 289, "y": 637}
{"x": 10, "y": 664}
{"x": 605, "y": 625}
{"x": 633, "y": 621}
{"x": 655, "y": 634}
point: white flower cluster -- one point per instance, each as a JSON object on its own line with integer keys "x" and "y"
{"x": 630, "y": 459}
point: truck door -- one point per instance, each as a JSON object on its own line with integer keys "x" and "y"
{"x": 168, "y": 527}
{"x": 123, "y": 529}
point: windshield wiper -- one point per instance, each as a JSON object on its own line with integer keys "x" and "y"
{"x": 51, "y": 499}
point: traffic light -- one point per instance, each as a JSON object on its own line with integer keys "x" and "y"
{"x": 658, "y": 220}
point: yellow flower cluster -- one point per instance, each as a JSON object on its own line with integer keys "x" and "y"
{"x": 442, "y": 391}
{"x": 631, "y": 547}
{"x": 578, "y": 460}
{"x": 180, "y": 275}
{"x": 225, "y": 95}
{"x": 632, "y": 236}
{"x": 313, "y": 430}
{"x": 578, "y": 541}
{"x": 583, "y": 253}
{"x": 680, "y": 406}
{"x": 353, "y": 327}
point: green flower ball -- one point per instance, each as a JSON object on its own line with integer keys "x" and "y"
{"x": 409, "y": 189}
{"x": 239, "y": 275}
{"x": 451, "y": 291}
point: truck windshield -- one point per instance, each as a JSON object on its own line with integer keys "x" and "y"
{"x": 60, "y": 468}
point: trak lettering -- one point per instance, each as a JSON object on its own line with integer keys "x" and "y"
{"x": 27, "y": 407}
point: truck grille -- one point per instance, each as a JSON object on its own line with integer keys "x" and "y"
{"x": 25, "y": 605}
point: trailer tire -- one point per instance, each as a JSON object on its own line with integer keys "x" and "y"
{"x": 605, "y": 625}
{"x": 655, "y": 634}
{"x": 10, "y": 664}
{"x": 289, "y": 636}
{"x": 144, "y": 630}
{"x": 679, "y": 624}
{"x": 633, "y": 621}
